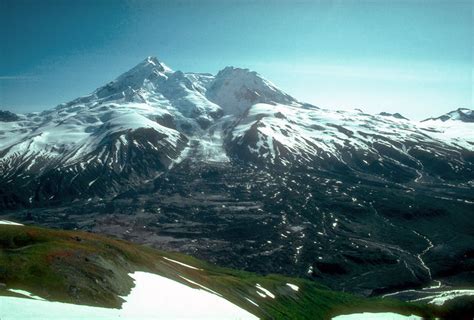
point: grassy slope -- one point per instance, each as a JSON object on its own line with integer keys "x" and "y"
{"x": 86, "y": 268}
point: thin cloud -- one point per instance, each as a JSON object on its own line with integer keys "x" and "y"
{"x": 18, "y": 78}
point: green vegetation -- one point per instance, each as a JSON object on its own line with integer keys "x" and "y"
{"x": 86, "y": 268}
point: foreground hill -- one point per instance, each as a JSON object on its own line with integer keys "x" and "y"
{"x": 87, "y": 269}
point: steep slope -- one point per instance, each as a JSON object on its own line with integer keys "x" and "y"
{"x": 83, "y": 268}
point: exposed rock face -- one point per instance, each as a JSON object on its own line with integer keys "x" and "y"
{"x": 7, "y": 116}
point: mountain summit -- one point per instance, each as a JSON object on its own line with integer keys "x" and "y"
{"x": 236, "y": 89}
{"x": 148, "y": 70}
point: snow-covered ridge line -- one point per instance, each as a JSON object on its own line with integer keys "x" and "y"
{"x": 460, "y": 114}
{"x": 314, "y": 131}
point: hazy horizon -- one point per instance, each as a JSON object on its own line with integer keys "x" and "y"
{"x": 414, "y": 58}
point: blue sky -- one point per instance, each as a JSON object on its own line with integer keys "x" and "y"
{"x": 413, "y": 57}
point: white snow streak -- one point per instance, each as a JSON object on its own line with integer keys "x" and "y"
{"x": 293, "y": 286}
{"x": 182, "y": 264}
{"x": 10, "y": 223}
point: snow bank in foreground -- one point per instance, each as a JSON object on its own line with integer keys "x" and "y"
{"x": 153, "y": 297}
{"x": 375, "y": 316}
{"x": 10, "y": 223}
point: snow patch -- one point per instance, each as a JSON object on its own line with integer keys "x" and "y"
{"x": 375, "y": 316}
{"x": 440, "y": 297}
{"x": 449, "y": 295}
{"x": 265, "y": 292}
{"x": 293, "y": 286}
{"x": 10, "y": 223}
{"x": 153, "y": 297}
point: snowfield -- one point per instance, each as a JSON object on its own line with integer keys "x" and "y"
{"x": 153, "y": 297}
{"x": 376, "y": 316}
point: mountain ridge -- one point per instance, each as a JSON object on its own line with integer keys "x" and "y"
{"x": 460, "y": 114}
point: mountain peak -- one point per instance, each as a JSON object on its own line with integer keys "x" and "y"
{"x": 149, "y": 68}
{"x": 236, "y": 89}
{"x": 236, "y": 70}
{"x": 153, "y": 61}
{"x": 460, "y": 114}
{"x": 394, "y": 115}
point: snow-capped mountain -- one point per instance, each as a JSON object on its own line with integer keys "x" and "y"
{"x": 133, "y": 128}
{"x": 159, "y": 156}
{"x": 461, "y": 114}
{"x": 150, "y": 117}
